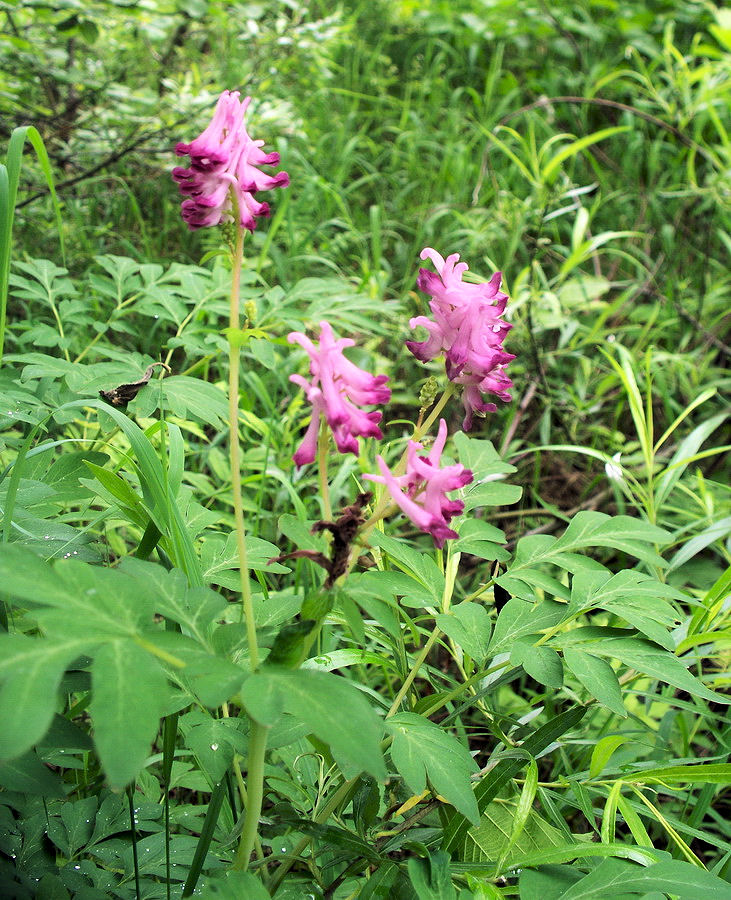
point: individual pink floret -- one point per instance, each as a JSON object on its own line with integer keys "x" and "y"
{"x": 421, "y": 492}
{"x": 222, "y": 157}
{"x": 336, "y": 387}
{"x": 468, "y": 329}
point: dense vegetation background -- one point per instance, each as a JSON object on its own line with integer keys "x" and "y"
{"x": 583, "y": 149}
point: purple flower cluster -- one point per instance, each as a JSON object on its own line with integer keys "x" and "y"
{"x": 224, "y": 158}
{"x": 468, "y": 329}
{"x": 421, "y": 492}
{"x": 337, "y": 385}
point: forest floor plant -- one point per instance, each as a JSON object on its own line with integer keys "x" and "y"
{"x": 543, "y": 716}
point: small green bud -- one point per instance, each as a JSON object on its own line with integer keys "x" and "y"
{"x": 250, "y": 311}
{"x": 428, "y": 392}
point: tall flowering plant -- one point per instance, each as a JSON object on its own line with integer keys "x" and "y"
{"x": 221, "y": 185}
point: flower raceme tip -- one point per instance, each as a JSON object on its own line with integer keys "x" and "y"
{"x": 336, "y": 387}
{"x": 468, "y": 329}
{"x": 224, "y": 159}
{"x": 421, "y": 492}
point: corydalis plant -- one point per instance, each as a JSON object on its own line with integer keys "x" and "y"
{"x": 225, "y": 160}
{"x": 469, "y": 331}
{"x": 421, "y": 492}
{"x": 337, "y": 386}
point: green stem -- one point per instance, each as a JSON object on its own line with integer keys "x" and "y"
{"x": 254, "y": 794}
{"x": 235, "y": 449}
{"x": 322, "y": 446}
{"x": 420, "y": 430}
{"x": 418, "y": 662}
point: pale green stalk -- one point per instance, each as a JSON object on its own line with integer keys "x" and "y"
{"x": 254, "y": 793}
{"x": 258, "y": 733}
{"x": 322, "y": 447}
{"x": 235, "y": 449}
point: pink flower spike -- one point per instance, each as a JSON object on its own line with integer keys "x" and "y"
{"x": 421, "y": 492}
{"x": 224, "y": 158}
{"x": 467, "y": 328}
{"x": 337, "y": 386}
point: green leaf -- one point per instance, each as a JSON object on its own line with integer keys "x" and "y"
{"x": 480, "y": 457}
{"x": 196, "y": 609}
{"x": 598, "y": 677}
{"x": 31, "y": 669}
{"x": 595, "y": 529}
{"x": 28, "y": 775}
{"x": 431, "y": 878}
{"x": 213, "y": 741}
{"x": 488, "y": 788}
{"x": 130, "y": 693}
{"x": 321, "y": 700}
{"x": 422, "y": 750}
{"x": 603, "y": 751}
{"x": 548, "y": 882}
{"x": 613, "y": 877}
{"x": 264, "y": 697}
{"x": 543, "y": 664}
{"x": 700, "y": 773}
{"x": 656, "y": 662}
{"x": 491, "y": 493}
{"x": 519, "y": 617}
{"x": 233, "y": 886}
{"x": 86, "y": 600}
{"x": 468, "y": 624}
{"x": 552, "y": 166}
{"x": 485, "y": 843}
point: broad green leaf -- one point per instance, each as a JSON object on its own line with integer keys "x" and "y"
{"x": 468, "y": 624}
{"x": 130, "y": 695}
{"x": 681, "y": 879}
{"x": 598, "y": 677}
{"x": 72, "y": 828}
{"x": 656, "y": 662}
{"x": 210, "y": 679}
{"x": 419, "y": 564}
{"x": 491, "y": 493}
{"x": 431, "y": 878}
{"x": 86, "y": 600}
{"x": 28, "y": 775}
{"x": 479, "y": 538}
{"x": 485, "y": 843}
{"x": 480, "y": 457}
{"x": 213, "y": 741}
{"x": 488, "y": 787}
{"x": 544, "y": 664}
{"x": 264, "y": 697}
{"x": 634, "y": 597}
{"x": 595, "y": 529}
{"x": 196, "y": 609}
{"x": 422, "y": 750}
{"x": 31, "y": 670}
{"x": 520, "y": 617}
{"x": 548, "y": 882}
{"x": 322, "y": 700}
{"x": 233, "y": 886}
